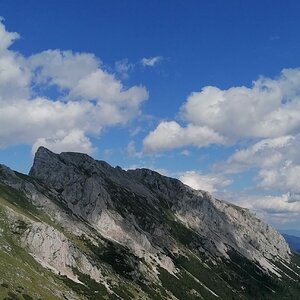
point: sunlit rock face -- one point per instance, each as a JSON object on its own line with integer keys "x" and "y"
{"x": 137, "y": 234}
{"x": 90, "y": 188}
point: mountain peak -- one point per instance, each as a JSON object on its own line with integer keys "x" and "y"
{"x": 87, "y": 218}
{"x": 42, "y": 149}
{"x": 45, "y": 160}
{"x": 42, "y": 157}
{"x": 86, "y": 182}
{"x": 44, "y": 153}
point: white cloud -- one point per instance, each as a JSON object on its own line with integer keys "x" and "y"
{"x": 62, "y": 68}
{"x": 66, "y": 141}
{"x": 284, "y": 178}
{"x": 198, "y": 181}
{"x": 275, "y": 209}
{"x": 151, "y": 61}
{"x": 276, "y": 159}
{"x": 14, "y": 76}
{"x": 269, "y": 109}
{"x": 263, "y": 154}
{"x": 270, "y": 204}
{"x": 80, "y": 74}
{"x": 170, "y": 135}
{"x": 267, "y": 117}
{"x": 88, "y": 98}
{"x": 6, "y": 38}
{"x": 25, "y": 121}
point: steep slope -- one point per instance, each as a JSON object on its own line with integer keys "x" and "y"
{"x": 21, "y": 274}
{"x": 105, "y": 232}
{"x": 95, "y": 191}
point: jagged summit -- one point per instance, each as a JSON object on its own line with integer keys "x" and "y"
{"x": 44, "y": 158}
{"x": 139, "y": 230}
{"x": 86, "y": 182}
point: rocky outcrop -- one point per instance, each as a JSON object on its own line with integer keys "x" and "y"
{"x": 91, "y": 189}
{"x": 113, "y": 230}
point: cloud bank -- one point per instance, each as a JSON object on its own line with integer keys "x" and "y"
{"x": 198, "y": 181}
{"x": 170, "y": 135}
{"x": 59, "y": 98}
{"x": 266, "y": 117}
{"x": 268, "y": 109}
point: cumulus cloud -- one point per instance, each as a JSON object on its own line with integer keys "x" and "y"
{"x": 265, "y": 116}
{"x": 198, "y": 181}
{"x": 170, "y": 135}
{"x": 276, "y": 160}
{"x": 6, "y": 38}
{"x": 277, "y": 210}
{"x": 272, "y": 204}
{"x": 87, "y": 98}
{"x": 62, "y": 68}
{"x": 151, "y": 61}
{"x": 268, "y": 109}
{"x": 25, "y": 121}
{"x": 263, "y": 154}
{"x": 284, "y": 178}
{"x": 68, "y": 141}
{"x": 14, "y": 75}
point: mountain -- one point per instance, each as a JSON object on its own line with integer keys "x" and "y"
{"x": 77, "y": 228}
{"x": 293, "y": 241}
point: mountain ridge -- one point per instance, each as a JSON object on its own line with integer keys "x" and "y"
{"x": 119, "y": 230}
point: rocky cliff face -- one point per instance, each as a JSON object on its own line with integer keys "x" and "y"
{"x": 91, "y": 190}
{"x": 139, "y": 235}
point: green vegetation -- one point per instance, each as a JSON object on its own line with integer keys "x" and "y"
{"x": 19, "y": 203}
{"x": 237, "y": 278}
{"x": 90, "y": 289}
{"x": 21, "y": 275}
{"x": 117, "y": 256}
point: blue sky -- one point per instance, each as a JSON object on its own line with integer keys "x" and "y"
{"x": 205, "y": 91}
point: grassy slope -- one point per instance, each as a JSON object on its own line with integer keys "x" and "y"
{"x": 24, "y": 278}
{"x": 234, "y": 279}
{"x": 21, "y": 277}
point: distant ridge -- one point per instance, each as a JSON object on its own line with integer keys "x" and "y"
{"x": 293, "y": 241}
{"x": 293, "y": 232}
